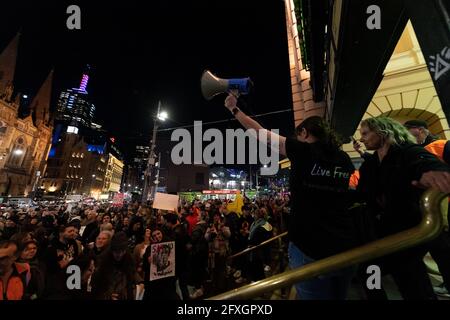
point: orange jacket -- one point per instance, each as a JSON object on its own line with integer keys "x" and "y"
{"x": 17, "y": 283}
{"x": 441, "y": 149}
{"x": 354, "y": 179}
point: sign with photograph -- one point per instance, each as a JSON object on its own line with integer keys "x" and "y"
{"x": 163, "y": 260}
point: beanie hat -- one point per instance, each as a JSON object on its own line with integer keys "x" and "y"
{"x": 119, "y": 241}
{"x": 416, "y": 124}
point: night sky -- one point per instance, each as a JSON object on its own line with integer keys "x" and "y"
{"x": 143, "y": 51}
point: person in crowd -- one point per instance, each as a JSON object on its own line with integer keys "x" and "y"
{"x": 260, "y": 230}
{"x": 86, "y": 263}
{"x": 419, "y": 129}
{"x": 163, "y": 288}
{"x": 318, "y": 223}
{"x": 106, "y": 218}
{"x": 240, "y": 261}
{"x": 62, "y": 250}
{"x": 192, "y": 219}
{"x": 28, "y": 254}
{"x": 14, "y": 277}
{"x": 123, "y": 225}
{"x": 90, "y": 226}
{"x": 11, "y": 227}
{"x": 101, "y": 244}
{"x": 107, "y": 227}
{"x": 135, "y": 232}
{"x": 217, "y": 235}
{"x": 391, "y": 182}
{"x": 178, "y": 233}
{"x": 115, "y": 276}
{"x": 231, "y": 221}
{"x": 440, "y": 247}
{"x": 198, "y": 266}
{"x": 139, "y": 250}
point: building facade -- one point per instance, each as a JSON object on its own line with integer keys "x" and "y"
{"x": 135, "y": 170}
{"x": 187, "y": 177}
{"x": 24, "y": 142}
{"x": 74, "y": 167}
{"x": 113, "y": 175}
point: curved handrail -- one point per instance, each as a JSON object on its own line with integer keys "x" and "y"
{"x": 258, "y": 246}
{"x": 430, "y": 226}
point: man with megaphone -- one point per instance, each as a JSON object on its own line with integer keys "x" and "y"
{"x": 319, "y": 225}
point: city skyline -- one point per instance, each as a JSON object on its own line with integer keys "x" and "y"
{"x": 142, "y": 53}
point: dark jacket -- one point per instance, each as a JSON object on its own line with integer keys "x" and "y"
{"x": 55, "y": 278}
{"x": 36, "y": 284}
{"x": 386, "y": 187}
{"x": 113, "y": 276}
{"x": 90, "y": 232}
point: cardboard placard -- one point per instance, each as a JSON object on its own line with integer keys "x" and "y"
{"x": 165, "y": 201}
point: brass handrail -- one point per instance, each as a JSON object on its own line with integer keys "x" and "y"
{"x": 258, "y": 246}
{"x": 430, "y": 226}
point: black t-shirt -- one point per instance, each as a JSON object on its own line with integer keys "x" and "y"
{"x": 319, "y": 223}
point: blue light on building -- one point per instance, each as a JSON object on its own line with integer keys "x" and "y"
{"x": 100, "y": 149}
{"x": 52, "y": 152}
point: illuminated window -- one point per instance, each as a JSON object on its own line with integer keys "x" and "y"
{"x": 18, "y": 152}
{"x": 71, "y": 129}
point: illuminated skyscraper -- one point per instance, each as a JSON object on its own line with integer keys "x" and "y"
{"x": 74, "y": 106}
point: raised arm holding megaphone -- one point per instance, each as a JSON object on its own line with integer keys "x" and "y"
{"x": 212, "y": 85}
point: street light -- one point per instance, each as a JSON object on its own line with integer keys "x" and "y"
{"x": 81, "y": 185}
{"x": 90, "y": 187}
{"x": 160, "y": 117}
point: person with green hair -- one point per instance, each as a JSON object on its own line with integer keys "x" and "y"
{"x": 392, "y": 181}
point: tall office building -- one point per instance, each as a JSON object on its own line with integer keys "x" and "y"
{"x": 74, "y": 106}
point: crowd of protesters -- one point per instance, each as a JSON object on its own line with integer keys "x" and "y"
{"x": 115, "y": 248}
{"x": 111, "y": 246}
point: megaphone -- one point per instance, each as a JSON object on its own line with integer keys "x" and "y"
{"x": 212, "y": 85}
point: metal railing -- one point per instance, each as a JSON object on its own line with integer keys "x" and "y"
{"x": 245, "y": 251}
{"x": 430, "y": 226}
